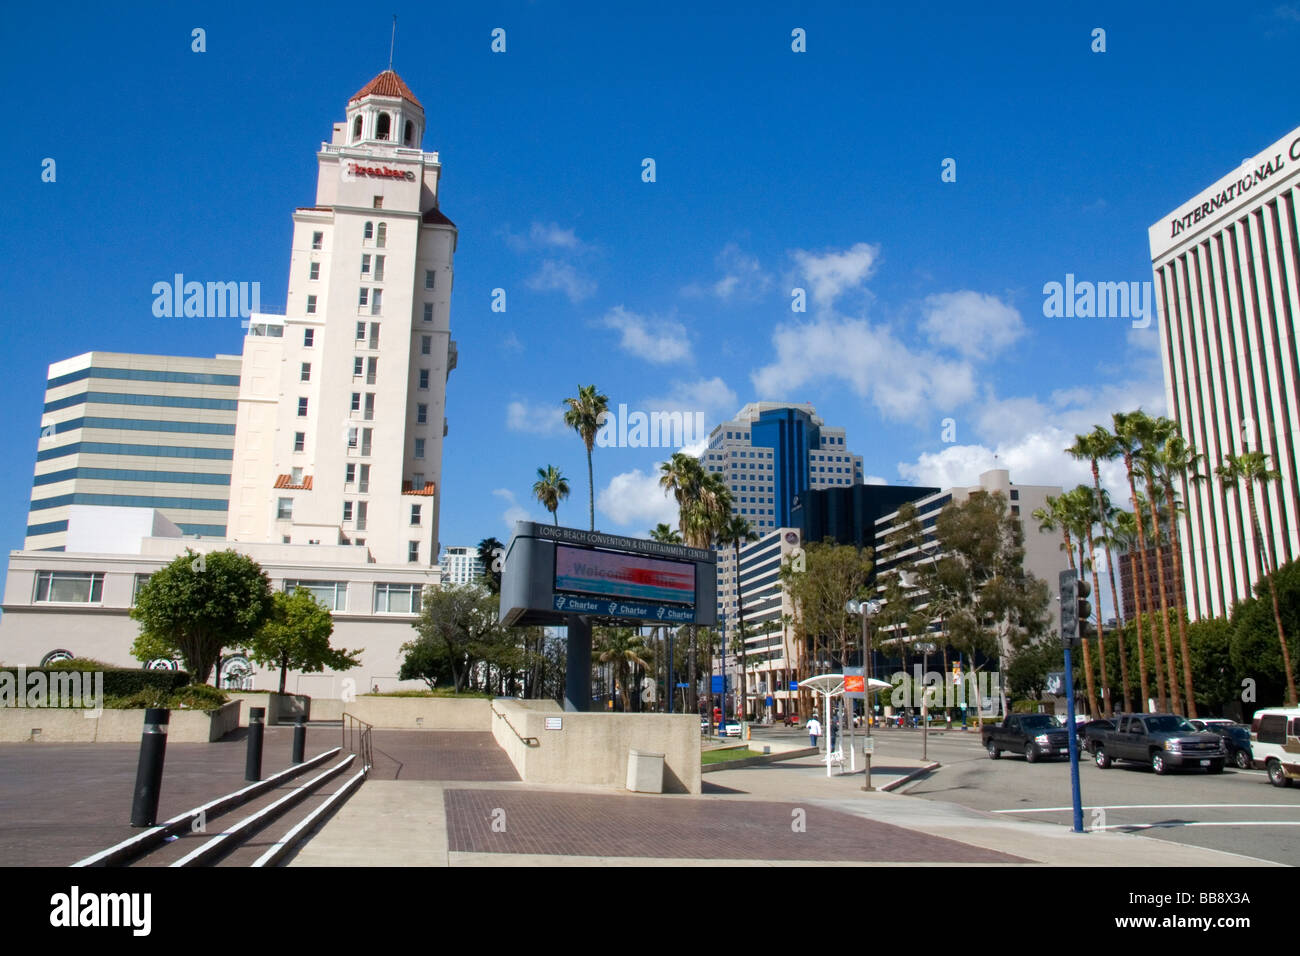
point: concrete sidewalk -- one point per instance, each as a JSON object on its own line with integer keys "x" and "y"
{"x": 783, "y": 814}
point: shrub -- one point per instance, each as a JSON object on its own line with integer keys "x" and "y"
{"x": 118, "y": 681}
{"x": 194, "y": 697}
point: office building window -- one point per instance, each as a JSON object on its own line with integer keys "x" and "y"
{"x": 428, "y": 311}
{"x": 419, "y": 448}
{"x": 376, "y": 301}
{"x": 317, "y": 239}
{"x": 424, "y": 378}
{"x": 358, "y": 366}
{"x": 366, "y": 434}
{"x": 284, "y": 509}
{"x": 352, "y": 438}
{"x": 70, "y": 587}
{"x": 413, "y": 551}
{"x": 349, "y": 473}
{"x": 363, "y": 297}
{"x": 369, "y": 414}
{"x": 313, "y": 271}
{"x": 382, "y": 235}
{"x": 295, "y": 475}
{"x": 417, "y": 480}
{"x": 311, "y": 305}
{"x": 333, "y": 594}
{"x": 415, "y": 514}
{"x": 361, "y": 331}
{"x": 426, "y": 344}
{"x": 368, "y": 231}
{"x": 305, "y": 373}
{"x": 428, "y": 278}
{"x": 302, "y": 408}
{"x": 379, "y": 268}
{"x": 362, "y": 507}
{"x": 365, "y": 265}
{"x": 372, "y": 370}
{"x": 347, "y": 511}
{"x": 299, "y": 441}
{"x": 379, "y": 200}
{"x": 397, "y": 598}
{"x": 308, "y": 338}
{"x": 140, "y": 581}
{"x": 356, "y": 401}
{"x": 363, "y": 485}
{"x": 374, "y": 333}
{"x": 422, "y": 414}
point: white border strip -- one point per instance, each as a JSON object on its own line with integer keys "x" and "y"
{"x": 261, "y": 817}
{"x": 1162, "y": 806}
{"x": 272, "y": 856}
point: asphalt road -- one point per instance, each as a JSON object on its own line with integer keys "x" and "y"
{"x": 1237, "y": 811}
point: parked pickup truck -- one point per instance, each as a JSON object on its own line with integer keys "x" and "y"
{"x": 1162, "y": 741}
{"x": 1037, "y": 736}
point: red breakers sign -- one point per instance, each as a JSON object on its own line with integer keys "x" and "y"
{"x": 380, "y": 172}
{"x": 854, "y": 684}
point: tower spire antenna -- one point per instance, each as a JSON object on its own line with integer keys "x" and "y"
{"x": 392, "y": 42}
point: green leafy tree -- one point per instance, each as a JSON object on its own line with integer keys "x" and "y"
{"x": 827, "y": 577}
{"x": 297, "y": 636}
{"x": 623, "y": 648}
{"x": 198, "y": 605}
{"x": 736, "y": 531}
{"x": 456, "y": 625}
{"x": 585, "y": 415}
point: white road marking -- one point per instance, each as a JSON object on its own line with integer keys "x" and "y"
{"x": 1162, "y": 806}
{"x": 1208, "y": 823}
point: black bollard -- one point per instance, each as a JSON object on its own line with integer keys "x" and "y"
{"x": 148, "y": 775}
{"x": 253, "y": 763}
{"x": 299, "y": 739}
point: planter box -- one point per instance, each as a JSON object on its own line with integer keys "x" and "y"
{"x": 57, "y": 725}
{"x": 280, "y": 708}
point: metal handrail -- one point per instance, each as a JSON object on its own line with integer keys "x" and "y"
{"x": 357, "y": 731}
{"x": 529, "y": 741}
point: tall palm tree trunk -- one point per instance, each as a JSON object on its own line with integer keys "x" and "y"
{"x": 1272, "y": 587}
{"x": 1142, "y": 655}
{"x": 1087, "y": 654}
{"x": 1146, "y": 588}
{"x": 1174, "y": 696}
{"x": 591, "y": 492}
{"x": 1107, "y": 709}
{"x": 1180, "y": 600}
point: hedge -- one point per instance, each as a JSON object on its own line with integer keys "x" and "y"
{"x": 119, "y": 682}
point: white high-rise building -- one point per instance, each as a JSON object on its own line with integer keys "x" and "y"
{"x": 340, "y": 424}
{"x": 1226, "y": 286}
{"x": 460, "y": 565}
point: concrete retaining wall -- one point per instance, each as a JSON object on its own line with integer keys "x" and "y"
{"x": 419, "y": 713}
{"x": 593, "y": 748}
{"x": 113, "y": 726}
{"x": 280, "y": 708}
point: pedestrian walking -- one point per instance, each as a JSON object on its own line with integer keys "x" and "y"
{"x": 814, "y": 730}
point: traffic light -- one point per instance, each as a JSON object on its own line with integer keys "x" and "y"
{"x": 1069, "y": 585}
{"x": 1084, "y": 611}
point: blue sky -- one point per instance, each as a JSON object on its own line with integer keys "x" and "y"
{"x": 774, "y": 170}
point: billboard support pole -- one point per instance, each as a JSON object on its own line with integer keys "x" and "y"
{"x": 577, "y": 678}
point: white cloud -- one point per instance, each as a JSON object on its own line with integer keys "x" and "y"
{"x": 634, "y": 499}
{"x": 902, "y": 383}
{"x": 874, "y": 480}
{"x": 711, "y": 396}
{"x": 534, "y": 418}
{"x": 976, "y": 325}
{"x": 742, "y": 278}
{"x": 830, "y": 274}
{"x": 545, "y": 235}
{"x": 661, "y": 341}
{"x": 515, "y": 512}
{"x": 556, "y": 276}
{"x": 511, "y": 343}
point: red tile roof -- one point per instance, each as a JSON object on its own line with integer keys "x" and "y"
{"x": 387, "y": 83}
{"x": 427, "y": 490}
{"x": 286, "y": 481}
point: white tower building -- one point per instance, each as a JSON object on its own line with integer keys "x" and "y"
{"x": 341, "y": 400}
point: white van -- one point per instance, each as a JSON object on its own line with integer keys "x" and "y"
{"x": 1275, "y": 743}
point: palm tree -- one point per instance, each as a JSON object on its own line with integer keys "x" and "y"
{"x": 490, "y": 551}
{"x": 1157, "y": 432}
{"x": 1252, "y": 467}
{"x": 550, "y": 489}
{"x": 736, "y": 531}
{"x": 1087, "y": 504}
{"x": 661, "y": 532}
{"x": 1130, "y": 429}
{"x": 1178, "y": 460}
{"x": 1124, "y": 534}
{"x": 1110, "y": 535}
{"x": 622, "y": 647}
{"x": 1078, "y": 513}
{"x": 1098, "y": 444}
{"x": 584, "y": 416}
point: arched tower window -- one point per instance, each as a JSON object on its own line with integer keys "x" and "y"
{"x": 356, "y": 128}
{"x": 382, "y": 127}
{"x": 409, "y": 135}
{"x": 370, "y": 231}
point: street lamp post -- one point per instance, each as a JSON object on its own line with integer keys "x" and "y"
{"x": 867, "y": 609}
{"x": 926, "y": 650}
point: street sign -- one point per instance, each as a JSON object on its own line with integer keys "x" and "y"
{"x": 1055, "y": 684}
{"x": 868, "y": 745}
{"x": 1069, "y": 595}
{"x": 769, "y": 700}
{"x": 854, "y": 683}
{"x": 794, "y": 685}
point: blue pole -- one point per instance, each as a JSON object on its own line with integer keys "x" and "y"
{"x": 1074, "y": 742}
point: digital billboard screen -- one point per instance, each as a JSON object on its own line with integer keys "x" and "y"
{"x": 609, "y": 574}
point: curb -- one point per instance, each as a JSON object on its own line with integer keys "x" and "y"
{"x": 907, "y": 778}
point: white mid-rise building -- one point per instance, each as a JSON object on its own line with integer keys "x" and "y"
{"x": 1226, "y": 265}
{"x": 460, "y": 565}
{"x": 341, "y": 400}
